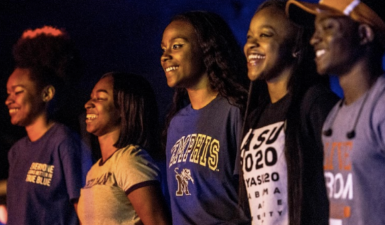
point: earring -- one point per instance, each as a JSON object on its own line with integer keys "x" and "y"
{"x": 295, "y": 54}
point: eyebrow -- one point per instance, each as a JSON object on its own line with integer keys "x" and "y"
{"x": 102, "y": 90}
{"x": 17, "y": 85}
{"x": 173, "y": 39}
{"x": 269, "y": 27}
{"x": 262, "y": 27}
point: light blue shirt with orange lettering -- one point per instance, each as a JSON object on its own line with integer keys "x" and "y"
{"x": 355, "y": 167}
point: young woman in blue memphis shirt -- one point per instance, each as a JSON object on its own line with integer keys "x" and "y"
{"x": 282, "y": 149}
{"x": 205, "y": 66}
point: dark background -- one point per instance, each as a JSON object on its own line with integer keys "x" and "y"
{"x": 112, "y": 35}
{"x": 121, "y": 35}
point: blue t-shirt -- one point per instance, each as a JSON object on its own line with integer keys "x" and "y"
{"x": 45, "y": 178}
{"x": 201, "y": 162}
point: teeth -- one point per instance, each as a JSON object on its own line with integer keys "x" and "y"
{"x": 91, "y": 116}
{"x": 171, "y": 68}
{"x": 256, "y": 56}
{"x": 318, "y": 53}
{"x": 13, "y": 110}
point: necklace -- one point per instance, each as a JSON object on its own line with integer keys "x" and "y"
{"x": 352, "y": 133}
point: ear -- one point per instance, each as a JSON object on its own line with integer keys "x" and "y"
{"x": 366, "y": 34}
{"x": 295, "y": 52}
{"x": 48, "y": 93}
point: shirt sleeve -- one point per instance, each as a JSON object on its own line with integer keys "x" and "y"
{"x": 237, "y": 127}
{"x": 378, "y": 122}
{"x": 76, "y": 161}
{"x": 135, "y": 168}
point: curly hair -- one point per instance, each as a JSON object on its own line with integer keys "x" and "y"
{"x": 223, "y": 58}
{"x": 50, "y": 48}
{"x": 52, "y": 59}
{"x": 135, "y": 100}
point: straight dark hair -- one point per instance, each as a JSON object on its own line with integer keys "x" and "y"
{"x": 135, "y": 100}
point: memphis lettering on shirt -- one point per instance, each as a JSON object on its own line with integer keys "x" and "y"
{"x": 338, "y": 176}
{"x": 265, "y": 173}
{"x": 200, "y": 149}
{"x": 40, "y": 173}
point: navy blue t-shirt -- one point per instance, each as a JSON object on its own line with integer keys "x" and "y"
{"x": 201, "y": 163}
{"x": 45, "y": 178}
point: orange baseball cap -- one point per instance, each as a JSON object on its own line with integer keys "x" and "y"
{"x": 371, "y": 12}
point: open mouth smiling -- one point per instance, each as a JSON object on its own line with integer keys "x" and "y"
{"x": 171, "y": 68}
{"x": 13, "y": 110}
{"x": 90, "y": 117}
{"x": 320, "y": 52}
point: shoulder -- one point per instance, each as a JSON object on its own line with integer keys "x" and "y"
{"x": 132, "y": 159}
{"x": 378, "y": 100}
{"x": 67, "y": 141}
{"x": 62, "y": 132}
{"x": 18, "y": 146}
{"x": 132, "y": 153}
{"x": 318, "y": 96}
{"x": 319, "y": 92}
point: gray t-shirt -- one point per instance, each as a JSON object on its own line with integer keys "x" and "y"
{"x": 355, "y": 167}
{"x": 104, "y": 199}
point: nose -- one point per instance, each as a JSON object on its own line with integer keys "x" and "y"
{"x": 165, "y": 56}
{"x": 89, "y": 104}
{"x": 251, "y": 43}
{"x": 9, "y": 100}
{"x": 315, "y": 38}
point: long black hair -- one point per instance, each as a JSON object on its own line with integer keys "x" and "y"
{"x": 304, "y": 76}
{"x": 223, "y": 58}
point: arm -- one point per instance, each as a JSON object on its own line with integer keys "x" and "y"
{"x": 149, "y": 204}
{"x": 76, "y": 210}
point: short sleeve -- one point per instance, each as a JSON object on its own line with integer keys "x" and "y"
{"x": 76, "y": 161}
{"x": 236, "y": 120}
{"x": 135, "y": 168}
{"x": 378, "y": 122}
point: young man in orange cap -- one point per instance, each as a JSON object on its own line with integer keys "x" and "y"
{"x": 349, "y": 42}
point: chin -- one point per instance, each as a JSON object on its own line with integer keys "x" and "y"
{"x": 18, "y": 123}
{"x": 322, "y": 71}
{"x": 89, "y": 130}
{"x": 253, "y": 76}
{"x": 171, "y": 84}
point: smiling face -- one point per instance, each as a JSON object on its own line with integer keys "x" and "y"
{"x": 336, "y": 43}
{"x": 182, "y": 59}
{"x": 269, "y": 44}
{"x": 24, "y": 101}
{"x": 102, "y": 115}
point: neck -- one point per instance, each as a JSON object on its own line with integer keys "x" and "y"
{"x": 38, "y": 128}
{"x": 199, "y": 98}
{"x": 277, "y": 87}
{"x": 357, "y": 81}
{"x": 107, "y": 142}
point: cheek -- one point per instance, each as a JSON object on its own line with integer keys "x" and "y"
{"x": 197, "y": 64}
{"x": 113, "y": 114}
